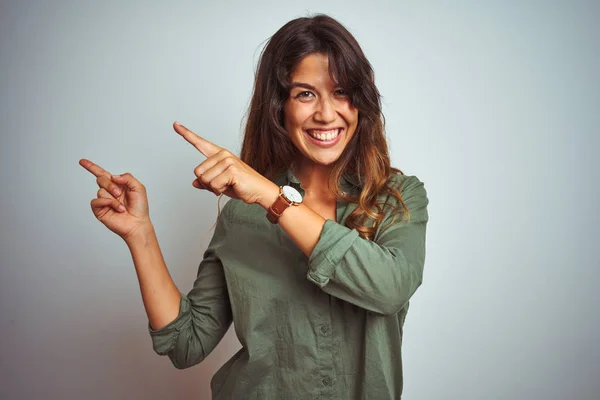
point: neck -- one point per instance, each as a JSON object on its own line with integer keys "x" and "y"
{"x": 314, "y": 177}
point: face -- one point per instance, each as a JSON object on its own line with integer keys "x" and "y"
{"x": 318, "y": 115}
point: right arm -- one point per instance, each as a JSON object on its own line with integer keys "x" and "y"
{"x": 185, "y": 327}
{"x": 204, "y": 314}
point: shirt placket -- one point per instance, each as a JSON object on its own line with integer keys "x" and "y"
{"x": 325, "y": 379}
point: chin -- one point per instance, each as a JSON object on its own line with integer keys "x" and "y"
{"x": 325, "y": 161}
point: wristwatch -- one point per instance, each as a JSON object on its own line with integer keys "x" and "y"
{"x": 288, "y": 196}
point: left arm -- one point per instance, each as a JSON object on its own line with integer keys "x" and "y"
{"x": 379, "y": 275}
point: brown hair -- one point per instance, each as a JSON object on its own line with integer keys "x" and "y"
{"x": 267, "y": 147}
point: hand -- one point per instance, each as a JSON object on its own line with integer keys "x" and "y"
{"x": 224, "y": 173}
{"x": 121, "y": 203}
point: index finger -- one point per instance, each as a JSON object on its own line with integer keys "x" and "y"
{"x": 93, "y": 168}
{"x": 202, "y": 145}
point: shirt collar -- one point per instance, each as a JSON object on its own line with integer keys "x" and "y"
{"x": 348, "y": 183}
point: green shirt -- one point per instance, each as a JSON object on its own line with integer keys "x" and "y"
{"x": 326, "y": 326}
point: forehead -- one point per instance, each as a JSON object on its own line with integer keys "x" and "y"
{"x": 313, "y": 69}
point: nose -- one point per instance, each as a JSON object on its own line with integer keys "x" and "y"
{"x": 325, "y": 111}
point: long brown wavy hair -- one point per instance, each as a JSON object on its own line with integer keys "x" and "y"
{"x": 266, "y": 146}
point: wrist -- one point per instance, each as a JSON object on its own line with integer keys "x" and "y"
{"x": 140, "y": 235}
{"x": 269, "y": 196}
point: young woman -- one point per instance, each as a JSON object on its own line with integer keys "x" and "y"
{"x": 316, "y": 256}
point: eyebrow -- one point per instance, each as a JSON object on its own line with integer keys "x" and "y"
{"x": 307, "y": 86}
{"x": 302, "y": 85}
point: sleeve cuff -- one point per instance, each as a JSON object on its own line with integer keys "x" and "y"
{"x": 334, "y": 242}
{"x": 164, "y": 339}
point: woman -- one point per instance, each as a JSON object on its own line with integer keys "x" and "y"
{"x": 320, "y": 249}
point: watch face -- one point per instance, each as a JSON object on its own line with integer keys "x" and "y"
{"x": 292, "y": 194}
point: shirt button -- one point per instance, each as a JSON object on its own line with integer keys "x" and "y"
{"x": 324, "y": 329}
{"x": 326, "y": 381}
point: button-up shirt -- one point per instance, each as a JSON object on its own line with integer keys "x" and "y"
{"x": 328, "y": 326}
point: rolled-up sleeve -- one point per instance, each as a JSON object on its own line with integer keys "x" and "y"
{"x": 204, "y": 313}
{"x": 379, "y": 275}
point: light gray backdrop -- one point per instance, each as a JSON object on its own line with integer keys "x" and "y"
{"x": 494, "y": 105}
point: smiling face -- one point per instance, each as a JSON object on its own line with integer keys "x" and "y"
{"x": 318, "y": 114}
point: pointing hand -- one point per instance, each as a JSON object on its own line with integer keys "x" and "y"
{"x": 224, "y": 173}
{"x": 121, "y": 203}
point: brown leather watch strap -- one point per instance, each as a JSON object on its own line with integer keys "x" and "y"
{"x": 278, "y": 207}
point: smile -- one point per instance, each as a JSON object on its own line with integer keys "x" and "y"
{"x": 324, "y": 136}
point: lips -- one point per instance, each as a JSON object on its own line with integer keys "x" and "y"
{"x": 324, "y": 138}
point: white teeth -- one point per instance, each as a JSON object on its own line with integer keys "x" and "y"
{"x": 325, "y": 135}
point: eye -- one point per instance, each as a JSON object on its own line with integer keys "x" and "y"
{"x": 341, "y": 93}
{"x": 304, "y": 95}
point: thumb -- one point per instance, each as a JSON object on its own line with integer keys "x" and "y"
{"x": 129, "y": 181}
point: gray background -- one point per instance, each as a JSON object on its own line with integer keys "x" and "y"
{"x": 494, "y": 105}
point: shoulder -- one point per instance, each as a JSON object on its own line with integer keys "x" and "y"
{"x": 231, "y": 209}
{"x": 236, "y": 212}
{"x": 406, "y": 183}
{"x": 413, "y": 194}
